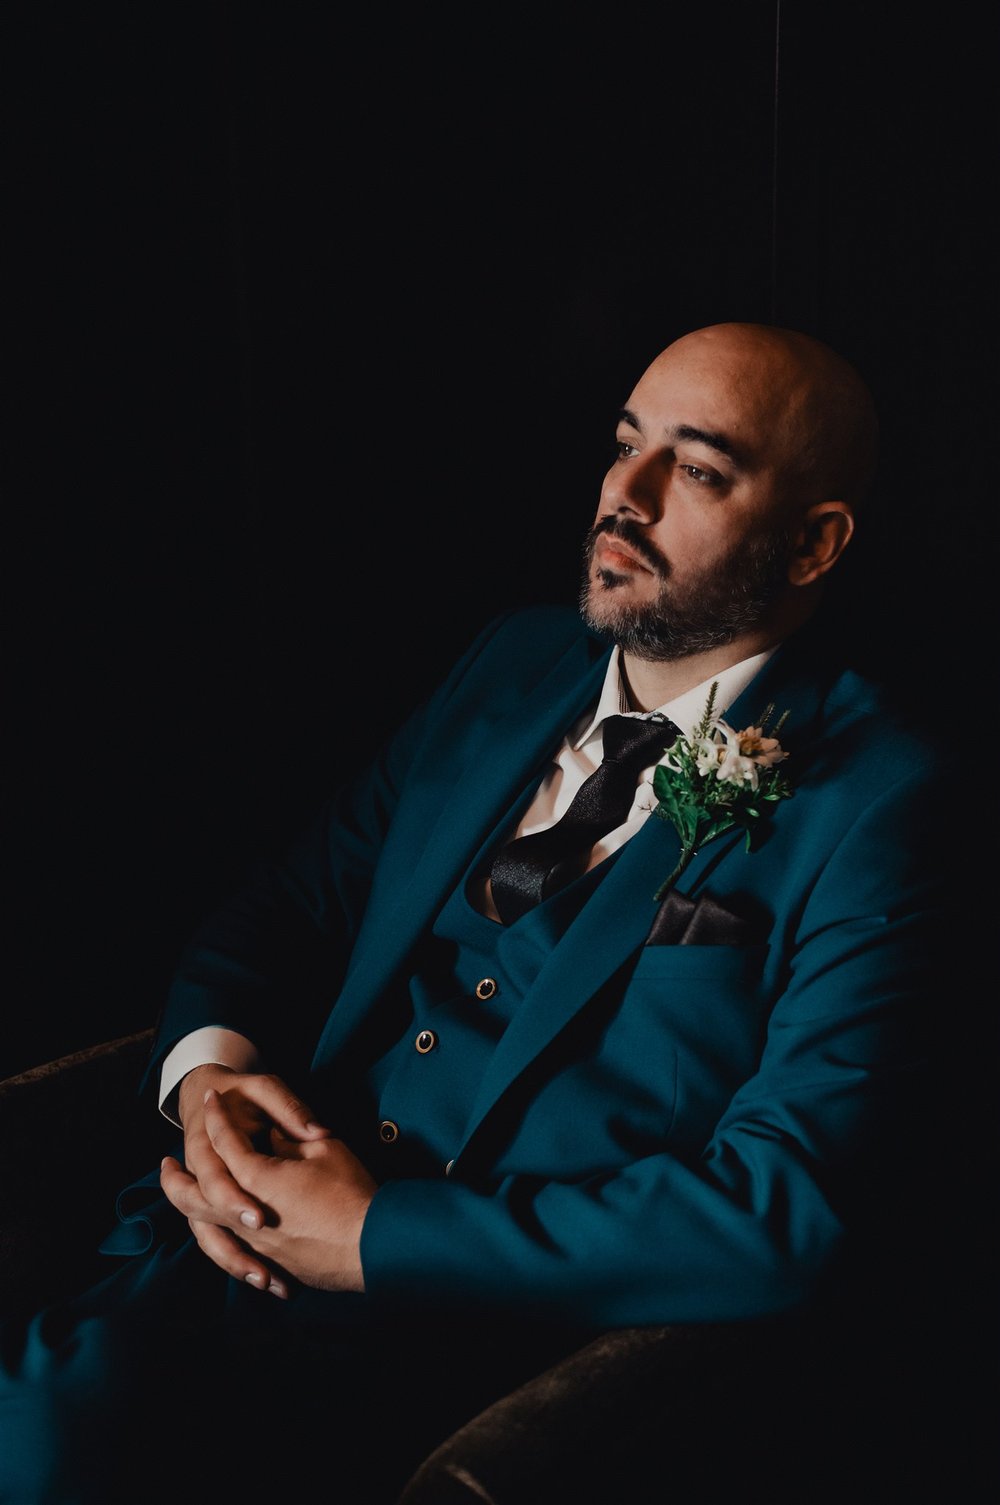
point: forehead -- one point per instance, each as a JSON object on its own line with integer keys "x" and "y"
{"x": 745, "y": 392}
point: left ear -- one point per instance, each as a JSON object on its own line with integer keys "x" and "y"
{"x": 823, "y": 535}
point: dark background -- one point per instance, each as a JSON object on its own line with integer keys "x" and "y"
{"x": 320, "y": 321}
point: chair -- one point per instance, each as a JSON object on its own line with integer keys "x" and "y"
{"x": 777, "y": 1412}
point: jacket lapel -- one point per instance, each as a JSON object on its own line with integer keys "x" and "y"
{"x": 606, "y": 935}
{"x": 435, "y": 836}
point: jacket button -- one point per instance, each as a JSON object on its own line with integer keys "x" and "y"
{"x": 486, "y": 987}
{"x": 447, "y": 1169}
{"x": 388, "y": 1131}
{"x": 425, "y": 1041}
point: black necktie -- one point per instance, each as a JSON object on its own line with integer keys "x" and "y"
{"x": 530, "y": 868}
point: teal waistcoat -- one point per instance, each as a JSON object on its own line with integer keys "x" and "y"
{"x": 469, "y": 981}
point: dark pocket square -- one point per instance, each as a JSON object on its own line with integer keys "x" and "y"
{"x": 681, "y": 921}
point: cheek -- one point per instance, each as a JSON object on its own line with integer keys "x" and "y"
{"x": 704, "y": 537}
{"x": 684, "y": 541}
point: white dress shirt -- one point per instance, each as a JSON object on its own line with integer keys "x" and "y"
{"x": 583, "y": 748}
{"x": 575, "y": 760}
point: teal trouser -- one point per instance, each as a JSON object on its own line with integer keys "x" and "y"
{"x": 169, "y": 1381}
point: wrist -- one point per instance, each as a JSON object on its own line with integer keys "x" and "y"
{"x": 196, "y": 1083}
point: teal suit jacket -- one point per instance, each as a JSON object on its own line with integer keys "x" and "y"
{"x": 679, "y": 1133}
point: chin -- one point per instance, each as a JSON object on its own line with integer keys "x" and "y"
{"x": 607, "y": 607}
{"x": 613, "y": 593}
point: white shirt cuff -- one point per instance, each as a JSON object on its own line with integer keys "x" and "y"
{"x": 211, "y": 1045}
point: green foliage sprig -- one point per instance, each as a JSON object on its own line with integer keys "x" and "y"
{"x": 717, "y": 779}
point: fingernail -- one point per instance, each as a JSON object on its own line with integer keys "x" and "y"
{"x": 208, "y": 1094}
{"x": 277, "y": 1289}
{"x": 255, "y": 1279}
{"x": 249, "y": 1220}
{"x": 314, "y": 1128}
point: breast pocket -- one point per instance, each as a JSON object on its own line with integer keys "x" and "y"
{"x": 685, "y": 964}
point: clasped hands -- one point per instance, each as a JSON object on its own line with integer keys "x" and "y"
{"x": 293, "y": 1209}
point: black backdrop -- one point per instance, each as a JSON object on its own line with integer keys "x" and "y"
{"x": 320, "y": 322}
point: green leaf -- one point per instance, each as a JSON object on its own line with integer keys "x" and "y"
{"x": 716, "y": 828}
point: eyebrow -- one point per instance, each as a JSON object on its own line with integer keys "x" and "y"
{"x": 715, "y": 441}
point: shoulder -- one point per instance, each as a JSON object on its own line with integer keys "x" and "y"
{"x": 524, "y": 645}
{"x": 883, "y": 724}
{"x": 847, "y": 722}
{"x": 548, "y": 628}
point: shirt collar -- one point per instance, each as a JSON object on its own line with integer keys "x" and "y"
{"x": 684, "y": 710}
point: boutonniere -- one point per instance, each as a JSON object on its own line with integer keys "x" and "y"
{"x": 717, "y": 779}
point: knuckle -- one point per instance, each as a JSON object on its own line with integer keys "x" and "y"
{"x": 215, "y": 1186}
{"x": 195, "y": 1146}
{"x": 279, "y": 1093}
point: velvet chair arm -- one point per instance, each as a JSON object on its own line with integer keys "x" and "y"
{"x": 72, "y": 1132}
{"x": 645, "y": 1415}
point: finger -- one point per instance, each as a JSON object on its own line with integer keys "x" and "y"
{"x": 229, "y": 1142}
{"x": 226, "y": 1251}
{"x": 280, "y": 1145}
{"x": 289, "y": 1112}
{"x": 284, "y": 1148}
{"x": 230, "y": 1202}
{"x": 202, "y": 1198}
{"x": 177, "y": 1184}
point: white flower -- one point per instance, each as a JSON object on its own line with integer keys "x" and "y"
{"x": 706, "y": 755}
{"x": 734, "y": 767}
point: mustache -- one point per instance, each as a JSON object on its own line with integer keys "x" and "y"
{"x": 630, "y": 533}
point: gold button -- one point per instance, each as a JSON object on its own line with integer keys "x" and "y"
{"x": 447, "y": 1169}
{"x": 486, "y": 987}
{"x": 388, "y": 1131}
{"x": 425, "y": 1041}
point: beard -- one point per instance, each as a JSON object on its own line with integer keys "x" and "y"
{"x": 708, "y": 610}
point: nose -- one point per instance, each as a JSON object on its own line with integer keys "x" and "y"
{"x": 633, "y": 488}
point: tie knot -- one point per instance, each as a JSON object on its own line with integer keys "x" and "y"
{"x": 637, "y": 740}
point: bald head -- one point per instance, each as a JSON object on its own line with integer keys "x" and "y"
{"x": 796, "y": 394}
{"x": 741, "y": 455}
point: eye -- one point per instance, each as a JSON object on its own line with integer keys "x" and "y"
{"x": 624, "y": 450}
{"x": 702, "y": 477}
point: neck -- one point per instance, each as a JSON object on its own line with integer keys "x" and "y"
{"x": 649, "y": 684}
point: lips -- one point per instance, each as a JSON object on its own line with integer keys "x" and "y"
{"x": 612, "y": 554}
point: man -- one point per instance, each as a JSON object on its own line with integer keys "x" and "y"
{"x": 435, "y": 1095}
